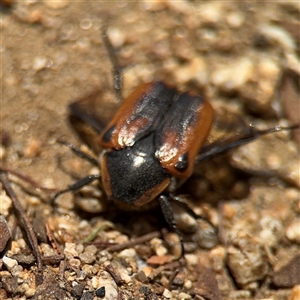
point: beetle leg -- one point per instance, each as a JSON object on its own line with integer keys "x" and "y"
{"x": 80, "y": 153}
{"x": 116, "y": 70}
{"x": 78, "y": 185}
{"x": 228, "y": 144}
{"x": 169, "y": 217}
{"x": 178, "y": 201}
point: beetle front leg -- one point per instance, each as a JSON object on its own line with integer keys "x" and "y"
{"x": 209, "y": 233}
{"x": 178, "y": 201}
{"x": 78, "y": 185}
{"x": 169, "y": 217}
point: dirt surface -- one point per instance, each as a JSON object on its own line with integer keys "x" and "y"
{"x": 243, "y": 56}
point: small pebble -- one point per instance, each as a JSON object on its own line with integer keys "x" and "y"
{"x": 188, "y": 284}
{"x": 5, "y": 204}
{"x": 195, "y": 70}
{"x": 104, "y": 279}
{"x": 21, "y": 244}
{"x": 77, "y": 289}
{"x": 87, "y": 258}
{"x": 295, "y": 294}
{"x": 9, "y": 263}
{"x": 47, "y": 250}
{"x": 29, "y": 290}
{"x": 217, "y": 257}
{"x": 272, "y": 230}
{"x": 232, "y": 77}
{"x": 127, "y": 253}
{"x": 157, "y": 245}
{"x": 74, "y": 262}
{"x": 70, "y": 250}
{"x": 81, "y": 275}
{"x": 241, "y": 294}
{"x": 247, "y": 259}
{"x": 100, "y": 292}
{"x": 293, "y": 231}
{"x": 39, "y": 63}
{"x": 205, "y": 236}
{"x": 88, "y": 270}
{"x": 91, "y": 249}
{"x": 167, "y": 294}
{"x": 5, "y": 235}
{"x": 191, "y": 259}
{"x": 17, "y": 271}
{"x": 184, "y": 296}
{"x": 89, "y": 204}
{"x": 288, "y": 275}
{"x": 235, "y": 19}
{"x": 148, "y": 271}
{"x": 79, "y": 248}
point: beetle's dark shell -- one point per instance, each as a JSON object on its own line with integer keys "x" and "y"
{"x": 134, "y": 175}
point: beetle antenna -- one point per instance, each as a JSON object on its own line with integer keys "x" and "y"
{"x": 80, "y": 153}
{"x": 116, "y": 69}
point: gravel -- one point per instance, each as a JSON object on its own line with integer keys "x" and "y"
{"x": 243, "y": 56}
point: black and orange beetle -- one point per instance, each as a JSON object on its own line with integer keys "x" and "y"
{"x": 152, "y": 133}
{"x": 152, "y": 144}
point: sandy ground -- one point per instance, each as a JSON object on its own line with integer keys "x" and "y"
{"x": 243, "y": 56}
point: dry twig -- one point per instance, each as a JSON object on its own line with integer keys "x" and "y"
{"x": 24, "y": 222}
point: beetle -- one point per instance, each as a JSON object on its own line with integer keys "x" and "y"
{"x": 151, "y": 145}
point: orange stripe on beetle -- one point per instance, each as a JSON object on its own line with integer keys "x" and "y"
{"x": 134, "y": 118}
